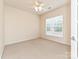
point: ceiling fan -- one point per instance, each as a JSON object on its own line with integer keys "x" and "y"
{"x": 38, "y": 6}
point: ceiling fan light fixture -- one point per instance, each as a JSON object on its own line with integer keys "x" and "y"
{"x": 36, "y": 9}
{"x": 38, "y": 6}
{"x": 36, "y": 3}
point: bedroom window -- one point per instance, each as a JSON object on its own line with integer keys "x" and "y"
{"x": 54, "y": 26}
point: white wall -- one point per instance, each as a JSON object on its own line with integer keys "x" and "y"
{"x": 20, "y": 25}
{"x": 1, "y": 28}
{"x": 65, "y": 11}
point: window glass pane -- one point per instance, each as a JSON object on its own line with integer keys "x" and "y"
{"x": 54, "y": 26}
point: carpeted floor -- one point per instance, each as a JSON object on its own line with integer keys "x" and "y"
{"x": 37, "y": 49}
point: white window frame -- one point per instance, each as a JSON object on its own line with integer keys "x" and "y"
{"x": 56, "y": 34}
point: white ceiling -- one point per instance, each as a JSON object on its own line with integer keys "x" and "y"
{"x": 28, "y": 4}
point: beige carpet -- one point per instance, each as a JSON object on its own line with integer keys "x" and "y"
{"x": 37, "y": 49}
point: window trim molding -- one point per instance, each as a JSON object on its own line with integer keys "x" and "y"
{"x": 54, "y": 35}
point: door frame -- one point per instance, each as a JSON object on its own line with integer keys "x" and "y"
{"x": 74, "y": 52}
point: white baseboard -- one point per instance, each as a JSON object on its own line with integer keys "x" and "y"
{"x": 60, "y": 42}
{"x": 2, "y": 53}
{"x": 14, "y": 42}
